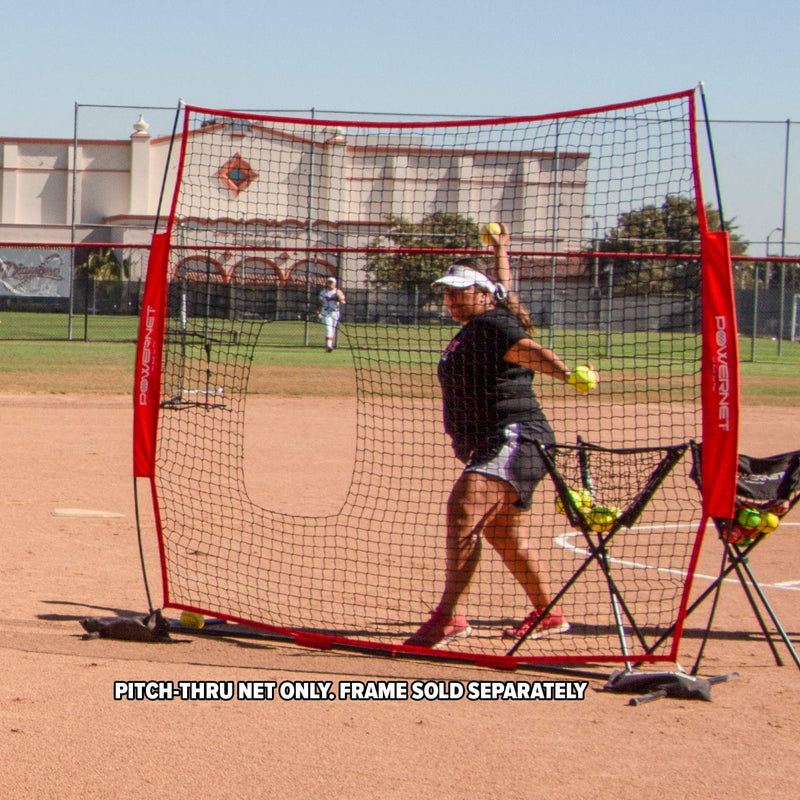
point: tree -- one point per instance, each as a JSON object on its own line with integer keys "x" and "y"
{"x": 412, "y": 272}
{"x": 671, "y": 230}
{"x": 99, "y": 275}
{"x": 103, "y": 265}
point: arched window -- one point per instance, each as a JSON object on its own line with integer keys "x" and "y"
{"x": 256, "y": 272}
{"x": 200, "y": 269}
{"x": 315, "y": 270}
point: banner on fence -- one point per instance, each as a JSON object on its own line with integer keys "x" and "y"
{"x": 25, "y": 272}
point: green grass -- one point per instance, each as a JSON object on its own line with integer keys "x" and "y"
{"x": 765, "y": 353}
{"x": 64, "y": 356}
{"x": 46, "y": 326}
{"x": 769, "y": 368}
{"x": 65, "y": 367}
{"x": 31, "y": 363}
{"x": 590, "y": 344}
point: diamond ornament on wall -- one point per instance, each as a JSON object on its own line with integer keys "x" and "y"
{"x": 236, "y": 174}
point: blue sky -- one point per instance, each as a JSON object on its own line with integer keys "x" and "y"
{"x": 436, "y": 57}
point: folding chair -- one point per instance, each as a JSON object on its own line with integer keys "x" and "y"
{"x": 624, "y": 481}
{"x": 766, "y": 489}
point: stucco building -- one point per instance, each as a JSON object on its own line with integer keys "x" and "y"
{"x": 108, "y": 191}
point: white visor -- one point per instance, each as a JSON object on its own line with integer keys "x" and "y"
{"x": 460, "y": 277}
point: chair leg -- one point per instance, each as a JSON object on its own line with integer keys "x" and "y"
{"x": 757, "y": 613}
{"x": 772, "y": 615}
{"x": 716, "y": 587}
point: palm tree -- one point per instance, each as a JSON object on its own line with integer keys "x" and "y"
{"x": 103, "y": 265}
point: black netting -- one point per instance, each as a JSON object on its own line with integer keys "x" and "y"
{"x": 268, "y": 208}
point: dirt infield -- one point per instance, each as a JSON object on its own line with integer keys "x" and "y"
{"x": 62, "y": 733}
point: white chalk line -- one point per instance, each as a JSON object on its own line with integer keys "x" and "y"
{"x": 563, "y": 541}
{"x": 86, "y": 512}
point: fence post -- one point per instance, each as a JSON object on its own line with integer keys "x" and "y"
{"x": 783, "y": 235}
{"x": 755, "y": 312}
{"x": 609, "y": 306}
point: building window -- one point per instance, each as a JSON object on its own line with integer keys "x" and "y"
{"x": 236, "y": 174}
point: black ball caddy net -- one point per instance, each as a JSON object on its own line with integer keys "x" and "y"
{"x": 612, "y": 254}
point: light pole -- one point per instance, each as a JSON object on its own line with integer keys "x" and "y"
{"x": 780, "y": 298}
{"x": 766, "y": 252}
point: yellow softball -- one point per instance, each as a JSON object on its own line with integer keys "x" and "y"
{"x": 489, "y": 230}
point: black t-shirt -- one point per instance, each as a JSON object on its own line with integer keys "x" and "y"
{"x": 482, "y": 393}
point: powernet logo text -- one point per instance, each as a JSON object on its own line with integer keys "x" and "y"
{"x": 148, "y": 354}
{"x": 723, "y": 384}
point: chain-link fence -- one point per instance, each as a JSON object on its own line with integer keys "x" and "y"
{"x": 50, "y": 293}
{"x": 92, "y": 292}
{"x": 64, "y": 291}
{"x": 768, "y": 308}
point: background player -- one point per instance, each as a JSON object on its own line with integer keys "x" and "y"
{"x": 329, "y": 301}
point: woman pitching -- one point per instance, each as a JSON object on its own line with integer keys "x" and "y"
{"x": 492, "y": 417}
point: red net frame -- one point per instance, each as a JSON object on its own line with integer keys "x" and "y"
{"x": 193, "y": 369}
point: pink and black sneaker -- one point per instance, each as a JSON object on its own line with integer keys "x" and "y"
{"x": 439, "y": 630}
{"x": 553, "y": 623}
